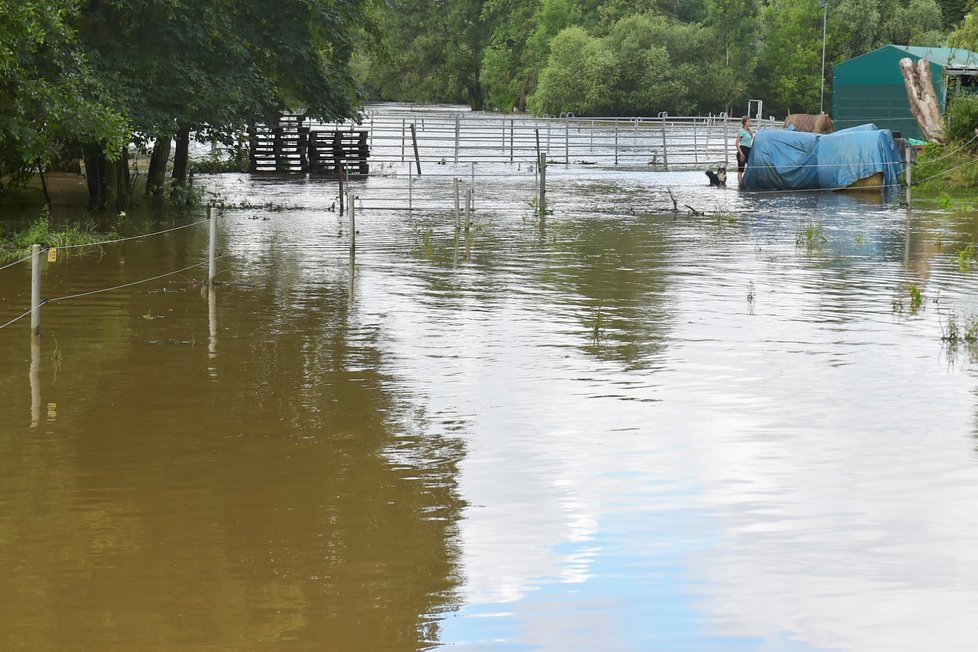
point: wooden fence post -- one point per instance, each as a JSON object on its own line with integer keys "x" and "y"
{"x": 414, "y": 141}
{"x": 542, "y": 164}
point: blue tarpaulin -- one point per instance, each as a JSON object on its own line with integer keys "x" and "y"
{"x": 795, "y": 160}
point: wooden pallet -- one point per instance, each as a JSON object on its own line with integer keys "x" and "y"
{"x": 292, "y": 148}
{"x": 280, "y": 148}
{"x": 328, "y": 149}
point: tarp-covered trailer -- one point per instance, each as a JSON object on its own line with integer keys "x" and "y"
{"x": 859, "y": 157}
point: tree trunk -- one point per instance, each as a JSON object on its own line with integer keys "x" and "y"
{"x": 524, "y": 92}
{"x": 44, "y": 183}
{"x": 118, "y": 182}
{"x": 156, "y": 176}
{"x": 112, "y": 190}
{"x": 181, "y": 156}
{"x": 923, "y": 100}
{"x": 475, "y": 96}
{"x": 95, "y": 175}
{"x": 124, "y": 201}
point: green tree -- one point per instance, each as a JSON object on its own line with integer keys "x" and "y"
{"x": 646, "y": 80}
{"x": 965, "y": 35}
{"x": 436, "y": 52}
{"x": 789, "y": 66}
{"x": 50, "y": 95}
{"x": 510, "y": 62}
{"x": 213, "y": 66}
{"x": 579, "y": 76}
{"x": 735, "y": 24}
{"x": 919, "y": 22}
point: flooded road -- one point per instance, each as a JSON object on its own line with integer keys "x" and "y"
{"x": 623, "y": 429}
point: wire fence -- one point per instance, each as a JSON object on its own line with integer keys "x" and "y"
{"x": 35, "y": 268}
{"x": 398, "y": 188}
{"x": 665, "y": 142}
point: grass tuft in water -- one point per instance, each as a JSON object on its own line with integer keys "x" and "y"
{"x": 811, "y": 236}
{"x": 597, "y": 325}
{"x": 42, "y": 232}
{"x": 725, "y": 217}
{"x": 956, "y": 331}
{"x": 916, "y": 297}
{"x": 966, "y": 258}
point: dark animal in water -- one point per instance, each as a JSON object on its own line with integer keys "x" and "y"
{"x": 817, "y": 124}
{"x": 718, "y": 178}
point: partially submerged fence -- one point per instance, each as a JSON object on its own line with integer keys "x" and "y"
{"x": 432, "y": 136}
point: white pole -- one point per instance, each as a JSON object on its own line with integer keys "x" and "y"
{"x": 567, "y": 141}
{"x": 212, "y": 248}
{"x": 909, "y": 155}
{"x": 410, "y": 190}
{"x": 725, "y": 136}
{"x": 36, "y": 289}
{"x": 616, "y": 140}
{"x": 353, "y": 224}
{"x": 458, "y": 219}
{"x": 458, "y": 117}
{"x": 825, "y": 14}
{"x": 665, "y": 157}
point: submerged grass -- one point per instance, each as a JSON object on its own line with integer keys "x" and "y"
{"x": 966, "y": 258}
{"x": 18, "y": 244}
{"x": 811, "y": 236}
{"x": 955, "y": 330}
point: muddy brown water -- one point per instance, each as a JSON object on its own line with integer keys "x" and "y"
{"x": 621, "y": 430}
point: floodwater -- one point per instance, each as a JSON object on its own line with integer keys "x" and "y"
{"x": 622, "y": 429}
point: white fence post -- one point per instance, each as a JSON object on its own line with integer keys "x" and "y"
{"x": 212, "y": 248}
{"x": 36, "y": 289}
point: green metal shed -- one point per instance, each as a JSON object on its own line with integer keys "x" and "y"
{"x": 870, "y": 88}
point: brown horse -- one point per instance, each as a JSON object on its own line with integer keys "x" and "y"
{"x": 818, "y": 124}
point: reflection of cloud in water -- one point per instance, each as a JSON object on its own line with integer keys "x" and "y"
{"x": 853, "y": 528}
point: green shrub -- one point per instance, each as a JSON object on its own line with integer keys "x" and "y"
{"x": 962, "y": 118}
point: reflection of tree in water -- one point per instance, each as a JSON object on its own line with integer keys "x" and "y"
{"x": 593, "y": 266}
{"x": 289, "y": 501}
{"x": 618, "y": 272}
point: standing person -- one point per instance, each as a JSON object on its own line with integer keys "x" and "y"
{"x": 745, "y": 138}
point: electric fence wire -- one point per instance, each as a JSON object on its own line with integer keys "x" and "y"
{"x": 15, "y": 319}
{"x": 126, "y": 285}
{"x": 952, "y": 152}
{"x": 108, "y": 289}
{"x": 16, "y": 262}
{"x": 945, "y": 172}
{"x": 134, "y": 237}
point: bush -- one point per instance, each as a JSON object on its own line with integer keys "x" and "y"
{"x": 239, "y": 161}
{"x": 946, "y": 169}
{"x": 962, "y": 118}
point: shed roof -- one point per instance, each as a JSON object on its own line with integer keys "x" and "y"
{"x": 951, "y": 59}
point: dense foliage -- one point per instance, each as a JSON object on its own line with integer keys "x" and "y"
{"x": 92, "y": 75}
{"x": 617, "y": 57}
{"x": 83, "y": 78}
